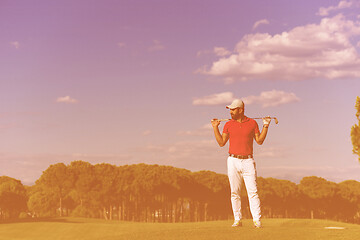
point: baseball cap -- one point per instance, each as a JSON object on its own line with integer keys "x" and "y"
{"x": 237, "y": 103}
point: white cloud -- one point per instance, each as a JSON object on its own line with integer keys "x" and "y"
{"x": 95, "y": 158}
{"x": 221, "y": 52}
{"x": 258, "y": 23}
{"x": 205, "y": 130}
{"x": 157, "y": 46}
{"x": 207, "y": 126}
{"x": 66, "y": 99}
{"x": 273, "y": 152}
{"x": 206, "y": 154}
{"x": 192, "y": 154}
{"x": 272, "y": 98}
{"x": 121, "y": 44}
{"x": 266, "y": 99}
{"x": 296, "y": 173}
{"x": 182, "y": 150}
{"x": 16, "y": 44}
{"x": 325, "y": 11}
{"x": 202, "y": 52}
{"x": 29, "y": 167}
{"x": 312, "y": 51}
{"x": 147, "y": 133}
{"x": 218, "y": 51}
{"x": 215, "y": 99}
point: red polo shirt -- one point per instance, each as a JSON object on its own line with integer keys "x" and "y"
{"x": 241, "y": 135}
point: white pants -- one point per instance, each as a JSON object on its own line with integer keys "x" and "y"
{"x": 239, "y": 169}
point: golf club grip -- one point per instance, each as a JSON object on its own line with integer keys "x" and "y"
{"x": 221, "y": 120}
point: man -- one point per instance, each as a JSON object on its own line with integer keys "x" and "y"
{"x": 241, "y": 131}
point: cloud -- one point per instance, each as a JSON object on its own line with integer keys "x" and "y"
{"x": 147, "y": 133}
{"x": 325, "y": 11}
{"x": 266, "y": 99}
{"x": 314, "y": 51}
{"x": 296, "y": 173}
{"x": 181, "y": 148}
{"x": 272, "y": 98}
{"x": 98, "y": 158}
{"x": 66, "y": 99}
{"x": 202, "y": 52}
{"x": 205, "y": 154}
{"x": 218, "y": 51}
{"x": 205, "y": 130}
{"x": 29, "y": 167}
{"x": 16, "y": 44}
{"x": 221, "y": 52}
{"x": 157, "y": 46}
{"x": 121, "y": 44}
{"x": 274, "y": 152}
{"x": 187, "y": 154}
{"x": 258, "y": 23}
{"x": 215, "y": 99}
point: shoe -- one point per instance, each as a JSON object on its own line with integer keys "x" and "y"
{"x": 237, "y": 223}
{"x": 257, "y": 224}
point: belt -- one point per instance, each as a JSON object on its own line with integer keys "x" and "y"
{"x": 241, "y": 156}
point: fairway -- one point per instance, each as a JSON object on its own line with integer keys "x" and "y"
{"x": 88, "y": 229}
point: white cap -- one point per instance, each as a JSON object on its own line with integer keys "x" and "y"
{"x": 237, "y": 103}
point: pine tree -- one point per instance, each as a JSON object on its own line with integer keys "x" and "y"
{"x": 355, "y": 130}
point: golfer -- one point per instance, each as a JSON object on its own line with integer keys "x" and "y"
{"x": 241, "y": 131}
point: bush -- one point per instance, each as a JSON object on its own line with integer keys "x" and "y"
{"x": 81, "y": 211}
{"x": 24, "y": 215}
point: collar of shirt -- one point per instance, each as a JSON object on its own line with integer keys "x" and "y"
{"x": 246, "y": 119}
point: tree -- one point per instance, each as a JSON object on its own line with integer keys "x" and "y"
{"x": 216, "y": 195}
{"x": 355, "y": 130}
{"x": 154, "y": 193}
{"x": 279, "y": 196}
{"x": 322, "y": 196}
{"x": 104, "y": 188}
{"x": 41, "y": 203}
{"x": 12, "y": 197}
{"x": 267, "y": 197}
{"x": 350, "y": 192}
{"x": 83, "y": 182}
{"x": 56, "y": 180}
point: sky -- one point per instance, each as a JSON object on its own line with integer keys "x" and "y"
{"x": 127, "y": 82}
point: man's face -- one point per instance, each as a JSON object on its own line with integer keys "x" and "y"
{"x": 236, "y": 113}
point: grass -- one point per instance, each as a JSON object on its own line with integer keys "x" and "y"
{"x": 91, "y": 229}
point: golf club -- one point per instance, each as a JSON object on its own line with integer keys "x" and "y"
{"x": 276, "y": 120}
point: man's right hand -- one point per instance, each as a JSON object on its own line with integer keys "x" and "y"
{"x": 215, "y": 122}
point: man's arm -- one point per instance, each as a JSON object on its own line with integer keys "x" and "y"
{"x": 260, "y": 137}
{"x": 221, "y": 139}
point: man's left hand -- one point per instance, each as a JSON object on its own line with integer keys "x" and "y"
{"x": 266, "y": 120}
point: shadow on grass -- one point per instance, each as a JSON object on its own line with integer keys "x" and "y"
{"x": 31, "y": 220}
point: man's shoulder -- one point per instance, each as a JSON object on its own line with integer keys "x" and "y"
{"x": 230, "y": 122}
{"x": 249, "y": 119}
{"x": 252, "y": 121}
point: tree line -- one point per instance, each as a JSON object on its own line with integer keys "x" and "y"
{"x": 153, "y": 193}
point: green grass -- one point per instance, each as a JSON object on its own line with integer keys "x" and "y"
{"x": 90, "y": 229}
